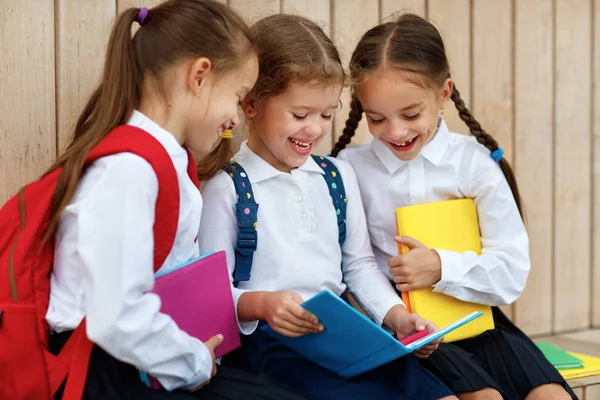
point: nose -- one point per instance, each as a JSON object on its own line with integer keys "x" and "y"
{"x": 316, "y": 128}
{"x": 235, "y": 121}
{"x": 397, "y": 131}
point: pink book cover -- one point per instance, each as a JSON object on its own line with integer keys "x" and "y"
{"x": 197, "y": 295}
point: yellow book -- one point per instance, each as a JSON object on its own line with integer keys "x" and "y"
{"x": 591, "y": 367}
{"x": 447, "y": 225}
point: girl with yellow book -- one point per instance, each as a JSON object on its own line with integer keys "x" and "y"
{"x": 401, "y": 81}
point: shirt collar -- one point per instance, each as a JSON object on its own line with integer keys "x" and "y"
{"x": 260, "y": 170}
{"x": 433, "y": 151}
{"x": 165, "y": 138}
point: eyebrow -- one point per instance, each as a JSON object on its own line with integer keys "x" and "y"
{"x": 408, "y": 107}
{"x": 311, "y": 108}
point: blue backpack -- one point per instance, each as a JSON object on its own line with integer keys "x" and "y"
{"x": 246, "y": 210}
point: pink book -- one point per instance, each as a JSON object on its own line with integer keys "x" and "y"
{"x": 197, "y": 295}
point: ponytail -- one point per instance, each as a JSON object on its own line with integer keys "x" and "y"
{"x": 172, "y": 31}
{"x": 216, "y": 161}
{"x": 354, "y": 117}
{"x": 485, "y": 139}
{"x": 109, "y": 106}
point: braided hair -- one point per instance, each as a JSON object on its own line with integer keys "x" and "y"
{"x": 412, "y": 44}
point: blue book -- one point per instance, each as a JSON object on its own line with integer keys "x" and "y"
{"x": 351, "y": 343}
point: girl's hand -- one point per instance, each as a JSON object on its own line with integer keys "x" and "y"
{"x": 212, "y": 344}
{"x": 420, "y": 267}
{"x": 283, "y": 312}
{"x": 405, "y": 324}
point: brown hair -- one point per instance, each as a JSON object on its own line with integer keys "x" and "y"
{"x": 292, "y": 48}
{"x": 413, "y": 45}
{"x": 171, "y": 32}
{"x": 215, "y": 161}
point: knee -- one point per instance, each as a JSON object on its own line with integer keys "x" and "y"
{"x": 483, "y": 394}
{"x": 551, "y": 391}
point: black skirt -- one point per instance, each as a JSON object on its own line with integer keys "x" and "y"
{"x": 503, "y": 358}
{"x": 110, "y": 379}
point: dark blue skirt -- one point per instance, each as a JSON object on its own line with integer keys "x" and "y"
{"x": 403, "y": 379}
{"x": 503, "y": 358}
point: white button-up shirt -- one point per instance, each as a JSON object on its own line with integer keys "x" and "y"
{"x": 298, "y": 248}
{"x": 103, "y": 264}
{"x": 450, "y": 166}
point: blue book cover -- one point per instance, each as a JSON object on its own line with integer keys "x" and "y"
{"x": 352, "y": 344}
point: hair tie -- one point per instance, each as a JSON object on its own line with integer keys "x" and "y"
{"x": 497, "y": 154}
{"x": 142, "y": 15}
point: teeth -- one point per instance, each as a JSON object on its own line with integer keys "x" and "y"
{"x": 406, "y": 143}
{"x": 298, "y": 143}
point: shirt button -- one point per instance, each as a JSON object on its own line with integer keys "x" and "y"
{"x": 298, "y": 198}
{"x": 446, "y": 288}
{"x": 302, "y": 216}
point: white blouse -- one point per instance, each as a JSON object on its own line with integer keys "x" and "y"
{"x": 103, "y": 264}
{"x": 450, "y": 166}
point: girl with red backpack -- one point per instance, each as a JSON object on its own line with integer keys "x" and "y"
{"x": 81, "y": 243}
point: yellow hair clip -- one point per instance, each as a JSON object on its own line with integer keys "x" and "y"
{"x": 228, "y": 134}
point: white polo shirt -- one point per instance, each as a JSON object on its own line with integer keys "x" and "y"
{"x": 298, "y": 247}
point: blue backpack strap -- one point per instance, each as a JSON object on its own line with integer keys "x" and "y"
{"x": 335, "y": 184}
{"x": 246, "y": 211}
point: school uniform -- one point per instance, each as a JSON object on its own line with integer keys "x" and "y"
{"x": 115, "y": 205}
{"x": 454, "y": 166}
{"x": 298, "y": 250}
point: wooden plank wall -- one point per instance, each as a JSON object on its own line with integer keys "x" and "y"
{"x": 572, "y": 163}
{"x": 533, "y": 155}
{"x": 27, "y": 92}
{"x": 596, "y": 172}
{"x": 80, "y": 55}
{"x": 528, "y": 69}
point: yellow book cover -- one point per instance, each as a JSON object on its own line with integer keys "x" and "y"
{"x": 447, "y": 225}
{"x": 591, "y": 367}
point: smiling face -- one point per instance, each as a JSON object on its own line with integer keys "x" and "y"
{"x": 285, "y": 128}
{"x": 216, "y": 107}
{"x": 400, "y": 113}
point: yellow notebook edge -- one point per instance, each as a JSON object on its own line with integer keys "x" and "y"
{"x": 586, "y": 371}
{"x": 402, "y": 249}
{"x": 404, "y": 295}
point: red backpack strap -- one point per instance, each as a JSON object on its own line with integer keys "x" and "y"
{"x": 129, "y": 139}
{"x": 132, "y": 140}
{"x": 192, "y": 168}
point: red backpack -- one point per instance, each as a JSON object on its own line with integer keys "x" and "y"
{"x": 29, "y": 370}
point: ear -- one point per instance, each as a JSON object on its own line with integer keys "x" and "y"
{"x": 446, "y": 90}
{"x": 250, "y": 106}
{"x": 199, "y": 70}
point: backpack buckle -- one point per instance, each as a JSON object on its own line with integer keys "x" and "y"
{"x": 247, "y": 240}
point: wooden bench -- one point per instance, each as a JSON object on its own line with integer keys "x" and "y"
{"x": 585, "y": 342}
{"x": 586, "y": 388}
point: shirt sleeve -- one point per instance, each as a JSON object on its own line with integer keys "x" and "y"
{"x": 365, "y": 280}
{"x": 115, "y": 247}
{"x": 218, "y": 215}
{"x": 499, "y": 274}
